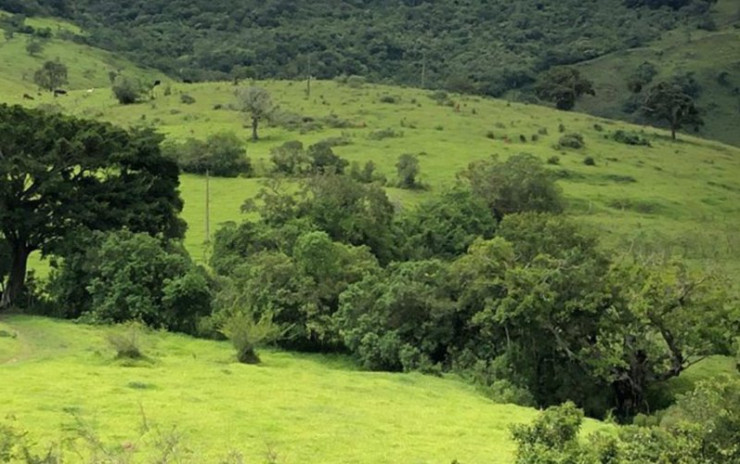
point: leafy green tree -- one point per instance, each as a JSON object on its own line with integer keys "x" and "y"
{"x": 51, "y": 75}
{"x": 667, "y": 102}
{"x": 446, "y": 225}
{"x": 257, "y": 102}
{"x": 402, "y": 319}
{"x": 221, "y": 154}
{"x": 552, "y": 438}
{"x": 34, "y": 47}
{"x": 125, "y": 276}
{"x": 290, "y": 158}
{"x": 117, "y": 179}
{"x": 127, "y": 90}
{"x": 519, "y": 184}
{"x": 563, "y": 86}
{"x": 408, "y": 170}
{"x": 324, "y": 160}
{"x": 666, "y": 318}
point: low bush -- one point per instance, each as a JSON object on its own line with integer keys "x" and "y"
{"x": 187, "y": 99}
{"x": 571, "y": 140}
{"x": 246, "y": 334}
{"x": 384, "y": 134}
{"x": 124, "y": 339}
{"x": 630, "y": 138}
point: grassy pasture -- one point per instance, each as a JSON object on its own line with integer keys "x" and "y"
{"x": 308, "y": 408}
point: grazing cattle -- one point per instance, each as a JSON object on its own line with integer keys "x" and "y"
{"x": 58, "y": 92}
{"x": 187, "y": 81}
{"x": 156, "y": 83}
{"x": 27, "y": 97}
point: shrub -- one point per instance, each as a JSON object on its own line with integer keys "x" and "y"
{"x": 126, "y": 90}
{"x": 390, "y": 99}
{"x": 187, "y": 99}
{"x": 561, "y": 127}
{"x": 490, "y": 135}
{"x": 290, "y": 158}
{"x": 384, "y": 134}
{"x": 355, "y": 82}
{"x": 598, "y": 127}
{"x": 246, "y": 334}
{"x": 367, "y": 174}
{"x": 324, "y": 160}
{"x": 222, "y": 154}
{"x": 553, "y": 160}
{"x": 589, "y": 161}
{"x": 124, "y": 339}
{"x": 408, "y": 169}
{"x": 630, "y": 138}
{"x": 571, "y": 140}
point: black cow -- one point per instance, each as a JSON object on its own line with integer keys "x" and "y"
{"x": 58, "y": 92}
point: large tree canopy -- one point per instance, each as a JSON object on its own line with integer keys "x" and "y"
{"x": 59, "y": 174}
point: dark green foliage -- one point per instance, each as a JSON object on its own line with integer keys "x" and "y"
{"x": 127, "y": 90}
{"x": 51, "y": 75}
{"x": 401, "y": 319}
{"x": 222, "y": 154}
{"x": 630, "y": 138}
{"x": 119, "y": 277}
{"x": 554, "y": 160}
{"x": 125, "y": 341}
{"x": 384, "y": 134}
{"x": 187, "y": 99}
{"x": 323, "y": 159}
{"x": 407, "y": 168}
{"x": 572, "y": 140}
{"x": 446, "y": 225}
{"x": 641, "y": 77}
{"x": 563, "y": 86}
{"x": 34, "y": 47}
{"x": 552, "y": 438}
{"x": 521, "y": 183}
{"x": 206, "y": 39}
{"x": 290, "y": 159}
{"x": 117, "y": 179}
{"x": 669, "y": 103}
{"x": 589, "y": 161}
{"x": 367, "y": 174}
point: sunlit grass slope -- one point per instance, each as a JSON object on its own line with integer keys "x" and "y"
{"x": 308, "y": 408}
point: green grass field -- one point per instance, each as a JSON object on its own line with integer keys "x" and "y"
{"x": 307, "y": 408}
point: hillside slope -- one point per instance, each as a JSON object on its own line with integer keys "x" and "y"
{"x": 305, "y": 408}
{"x": 670, "y": 197}
{"x": 710, "y": 58}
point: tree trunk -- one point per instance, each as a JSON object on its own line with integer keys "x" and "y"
{"x": 255, "y": 122}
{"x": 17, "y": 278}
{"x": 673, "y": 132}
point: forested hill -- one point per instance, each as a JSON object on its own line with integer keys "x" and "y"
{"x": 482, "y": 46}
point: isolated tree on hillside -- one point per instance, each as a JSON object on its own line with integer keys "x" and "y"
{"x": 257, "y": 102}
{"x": 668, "y": 102}
{"x": 408, "y": 170}
{"x": 51, "y": 75}
{"x": 60, "y": 174}
{"x": 563, "y": 86}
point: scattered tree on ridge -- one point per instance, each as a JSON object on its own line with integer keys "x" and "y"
{"x": 257, "y": 102}
{"x": 668, "y": 102}
{"x": 59, "y": 174}
{"x": 51, "y": 75}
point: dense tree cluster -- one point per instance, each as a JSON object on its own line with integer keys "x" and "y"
{"x": 481, "y": 46}
{"x": 487, "y": 279}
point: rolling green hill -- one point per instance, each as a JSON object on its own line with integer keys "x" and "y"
{"x": 671, "y": 196}
{"x": 305, "y": 408}
{"x": 711, "y": 58}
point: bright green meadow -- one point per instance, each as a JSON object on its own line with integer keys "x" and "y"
{"x": 306, "y": 408}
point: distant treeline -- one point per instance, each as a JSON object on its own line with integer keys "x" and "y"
{"x": 482, "y": 46}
